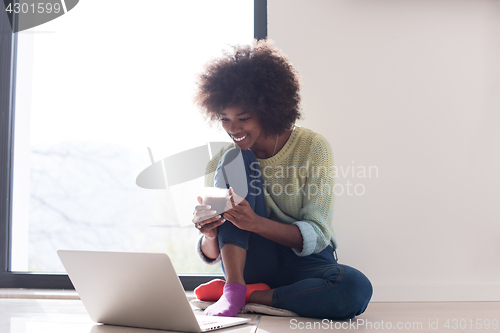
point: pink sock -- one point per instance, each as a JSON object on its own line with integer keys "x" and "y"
{"x": 231, "y": 301}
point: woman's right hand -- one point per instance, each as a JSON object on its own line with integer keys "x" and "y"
{"x": 207, "y": 226}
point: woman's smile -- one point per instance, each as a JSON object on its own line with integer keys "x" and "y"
{"x": 243, "y": 127}
{"x": 238, "y": 138}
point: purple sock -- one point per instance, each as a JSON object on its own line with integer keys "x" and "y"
{"x": 231, "y": 301}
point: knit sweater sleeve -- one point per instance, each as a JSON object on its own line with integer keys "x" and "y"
{"x": 316, "y": 214}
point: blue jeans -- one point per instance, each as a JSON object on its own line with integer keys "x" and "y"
{"x": 313, "y": 286}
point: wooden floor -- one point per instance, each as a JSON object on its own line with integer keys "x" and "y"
{"x": 27, "y": 312}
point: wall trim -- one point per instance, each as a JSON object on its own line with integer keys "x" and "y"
{"x": 466, "y": 292}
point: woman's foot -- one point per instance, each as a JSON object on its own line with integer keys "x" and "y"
{"x": 213, "y": 290}
{"x": 231, "y": 301}
{"x": 210, "y": 291}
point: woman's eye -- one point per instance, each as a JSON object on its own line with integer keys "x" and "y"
{"x": 227, "y": 119}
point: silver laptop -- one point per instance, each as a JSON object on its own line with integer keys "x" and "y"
{"x": 136, "y": 290}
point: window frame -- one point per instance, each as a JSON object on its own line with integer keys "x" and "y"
{"x": 8, "y": 57}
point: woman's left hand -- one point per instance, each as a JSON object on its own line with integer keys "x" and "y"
{"x": 239, "y": 212}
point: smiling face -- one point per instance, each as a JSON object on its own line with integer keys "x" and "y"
{"x": 243, "y": 127}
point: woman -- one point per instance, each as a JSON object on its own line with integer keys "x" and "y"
{"x": 276, "y": 243}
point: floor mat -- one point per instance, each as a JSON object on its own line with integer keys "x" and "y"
{"x": 251, "y": 308}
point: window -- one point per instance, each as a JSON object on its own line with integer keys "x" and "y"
{"x": 89, "y": 100}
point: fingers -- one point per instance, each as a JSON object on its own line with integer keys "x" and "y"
{"x": 230, "y": 202}
{"x": 231, "y": 197}
{"x": 212, "y": 219}
{"x": 235, "y": 198}
{"x": 200, "y": 208}
{"x": 231, "y": 215}
{"x": 206, "y": 216}
{"x": 230, "y": 206}
{"x": 200, "y": 200}
{"x": 210, "y": 224}
{"x": 202, "y": 212}
{"x": 235, "y": 203}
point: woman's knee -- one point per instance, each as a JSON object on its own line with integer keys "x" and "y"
{"x": 230, "y": 155}
{"x": 230, "y": 170}
{"x": 353, "y": 294}
{"x": 227, "y": 233}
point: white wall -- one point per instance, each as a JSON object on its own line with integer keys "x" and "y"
{"x": 413, "y": 88}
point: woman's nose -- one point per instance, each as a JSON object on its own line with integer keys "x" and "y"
{"x": 235, "y": 127}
